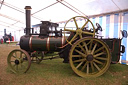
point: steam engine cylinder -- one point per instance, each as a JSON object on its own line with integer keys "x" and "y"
{"x": 36, "y": 43}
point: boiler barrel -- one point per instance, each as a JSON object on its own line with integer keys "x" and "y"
{"x": 35, "y": 43}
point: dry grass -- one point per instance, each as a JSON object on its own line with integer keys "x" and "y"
{"x": 54, "y": 72}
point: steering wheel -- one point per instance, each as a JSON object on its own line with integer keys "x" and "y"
{"x": 98, "y": 27}
{"x": 79, "y": 30}
{"x": 124, "y": 33}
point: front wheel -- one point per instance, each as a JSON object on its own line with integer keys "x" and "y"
{"x": 89, "y": 57}
{"x": 19, "y": 61}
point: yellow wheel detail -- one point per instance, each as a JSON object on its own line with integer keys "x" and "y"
{"x": 78, "y": 29}
{"x": 89, "y": 57}
{"x": 19, "y": 61}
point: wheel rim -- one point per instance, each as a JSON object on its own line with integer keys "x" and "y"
{"x": 79, "y": 30}
{"x": 89, "y": 57}
{"x": 19, "y": 61}
{"x": 37, "y": 56}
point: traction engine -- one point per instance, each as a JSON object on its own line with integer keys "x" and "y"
{"x": 88, "y": 53}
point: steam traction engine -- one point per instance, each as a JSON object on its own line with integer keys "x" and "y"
{"x": 89, "y": 54}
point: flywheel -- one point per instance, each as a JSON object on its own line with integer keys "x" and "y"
{"x": 74, "y": 29}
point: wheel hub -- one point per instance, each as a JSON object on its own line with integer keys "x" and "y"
{"x": 89, "y": 57}
{"x": 78, "y": 31}
{"x": 16, "y": 62}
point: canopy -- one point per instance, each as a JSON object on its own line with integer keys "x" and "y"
{"x": 12, "y": 12}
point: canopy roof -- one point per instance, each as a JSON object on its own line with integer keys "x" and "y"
{"x": 12, "y": 12}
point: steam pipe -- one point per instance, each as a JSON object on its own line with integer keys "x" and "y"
{"x": 28, "y": 19}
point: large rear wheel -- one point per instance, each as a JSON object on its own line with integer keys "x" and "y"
{"x": 89, "y": 57}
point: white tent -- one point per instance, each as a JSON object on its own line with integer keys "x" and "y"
{"x": 12, "y": 11}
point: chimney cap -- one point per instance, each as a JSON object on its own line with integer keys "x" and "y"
{"x": 28, "y": 7}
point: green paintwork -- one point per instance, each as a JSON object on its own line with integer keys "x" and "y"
{"x": 114, "y": 46}
{"x": 54, "y": 43}
{"x": 40, "y": 44}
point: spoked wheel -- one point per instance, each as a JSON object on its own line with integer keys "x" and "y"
{"x": 78, "y": 29}
{"x": 89, "y": 57}
{"x": 19, "y": 61}
{"x": 37, "y": 56}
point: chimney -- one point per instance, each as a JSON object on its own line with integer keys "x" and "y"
{"x": 4, "y": 32}
{"x": 28, "y": 19}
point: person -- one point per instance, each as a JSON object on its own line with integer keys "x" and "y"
{"x": 1, "y": 41}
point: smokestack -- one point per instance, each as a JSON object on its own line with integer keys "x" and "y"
{"x": 28, "y": 19}
{"x": 4, "y": 32}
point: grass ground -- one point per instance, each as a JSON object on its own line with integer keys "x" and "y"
{"x": 54, "y": 72}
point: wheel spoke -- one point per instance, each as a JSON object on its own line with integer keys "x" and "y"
{"x": 70, "y": 30}
{"x": 76, "y": 56}
{"x": 88, "y": 68}
{"x": 99, "y": 49}
{"x": 16, "y": 67}
{"x": 84, "y": 25}
{"x": 82, "y": 48}
{"x": 20, "y": 54}
{"x": 99, "y": 54}
{"x": 75, "y": 22}
{"x": 98, "y": 62}
{"x": 84, "y": 66}
{"x": 85, "y": 45}
{"x": 91, "y": 41}
{"x": 101, "y": 58}
{"x": 92, "y": 67}
{"x": 89, "y": 33}
{"x": 24, "y": 65}
{"x": 15, "y": 54}
{"x": 84, "y": 59}
{"x": 96, "y": 66}
{"x": 21, "y": 65}
{"x": 12, "y": 61}
{"x": 94, "y": 48}
{"x": 73, "y": 39}
{"x": 82, "y": 54}
{"x": 80, "y": 36}
{"x": 79, "y": 64}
